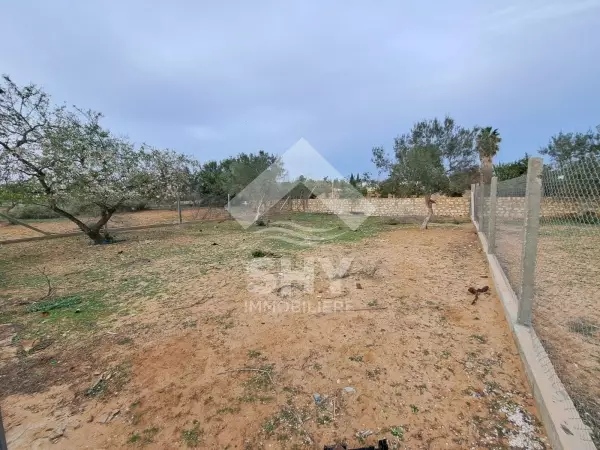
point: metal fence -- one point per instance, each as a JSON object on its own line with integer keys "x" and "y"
{"x": 544, "y": 229}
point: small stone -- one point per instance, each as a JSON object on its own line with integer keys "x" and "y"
{"x": 349, "y": 390}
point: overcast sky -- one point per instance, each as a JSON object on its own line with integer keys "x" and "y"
{"x": 217, "y": 78}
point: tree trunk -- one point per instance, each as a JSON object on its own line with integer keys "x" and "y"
{"x": 429, "y": 203}
{"x": 487, "y": 169}
{"x": 94, "y": 232}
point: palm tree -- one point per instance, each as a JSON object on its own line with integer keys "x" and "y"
{"x": 488, "y": 145}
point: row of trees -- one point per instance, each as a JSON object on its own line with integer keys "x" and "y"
{"x": 55, "y": 156}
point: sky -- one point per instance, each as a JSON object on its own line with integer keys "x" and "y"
{"x": 213, "y": 79}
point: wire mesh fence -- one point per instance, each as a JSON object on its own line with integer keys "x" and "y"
{"x": 566, "y": 312}
{"x": 510, "y": 214}
{"x": 566, "y": 287}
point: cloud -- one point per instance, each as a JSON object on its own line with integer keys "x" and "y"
{"x": 214, "y": 79}
{"x": 539, "y": 11}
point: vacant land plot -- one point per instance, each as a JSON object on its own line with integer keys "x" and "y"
{"x": 168, "y": 340}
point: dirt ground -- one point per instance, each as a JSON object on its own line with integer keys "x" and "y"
{"x": 119, "y": 220}
{"x": 168, "y": 340}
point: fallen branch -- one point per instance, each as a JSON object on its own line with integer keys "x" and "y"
{"x": 249, "y": 369}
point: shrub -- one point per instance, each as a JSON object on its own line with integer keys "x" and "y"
{"x": 32, "y": 212}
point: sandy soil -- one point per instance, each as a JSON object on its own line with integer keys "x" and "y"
{"x": 394, "y": 350}
{"x": 119, "y": 220}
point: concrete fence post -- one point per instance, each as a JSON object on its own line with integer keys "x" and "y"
{"x": 473, "y": 218}
{"x": 491, "y": 237}
{"x": 481, "y": 202}
{"x": 533, "y": 197}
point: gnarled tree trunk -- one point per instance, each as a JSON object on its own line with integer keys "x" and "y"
{"x": 93, "y": 231}
{"x": 429, "y": 204}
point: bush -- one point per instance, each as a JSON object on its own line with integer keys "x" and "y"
{"x": 32, "y": 212}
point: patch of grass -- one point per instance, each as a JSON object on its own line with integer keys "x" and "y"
{"x": 97, "y": 389}
{"x": 445, "y": 354}
{"x": 479, "y": 338}
{"x": 324, "y": 419}
{"x": 190, "y": 324}
{"x": 228, "y": 410}
{"x": 256, "y": 398}
{"x": 584, "y": 327}
{"x": 191, "y": 437}
{"x": 263, "y": 378}
{"x": 253, "y": 353}
{"x": 134, "y": 438}
{"x": 397, "y": 432}
{"x": 262, "y": 254}
{"x": 414, "y": 409}
{"x": 372, "y": 303}
{"x": 270, "y": 425}
{"x": 148, "y": 434}
{"x": 55, "y": 303}
{"x": 317, "y": 366}
{"x": 356, "y": 358}
{"x": 125, "y": 341}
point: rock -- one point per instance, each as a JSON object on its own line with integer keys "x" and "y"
{"x": 349, "y": 390}
{"x": 358, "y": 286}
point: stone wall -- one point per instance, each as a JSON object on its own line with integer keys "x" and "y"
{"x": 507, "y": 207}
{"x": 445, "y": 206}
{"x": 514, "y": 207}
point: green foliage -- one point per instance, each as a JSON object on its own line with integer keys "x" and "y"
{"x": 55, "y": 156}
{"x": 570, "y": 147}
{"x": 574, "y": 170}
{"x": 33, "y": 212}
{"x": 55, "y": 303}
{"x": 488, "y": 144}
{"x": 426, "y": 158}
{"x": 507, "y": 171}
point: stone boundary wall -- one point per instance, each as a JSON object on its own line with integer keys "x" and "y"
{"x": 507, "y": 207}
{"x": 388, "y": 207}
{"x": 514, "y": 207}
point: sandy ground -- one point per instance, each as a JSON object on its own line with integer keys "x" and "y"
{"x": 393, "y": 348}
{"x": 10, "y": 231}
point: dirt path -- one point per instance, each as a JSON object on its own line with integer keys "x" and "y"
{"x": 415, "y": 363}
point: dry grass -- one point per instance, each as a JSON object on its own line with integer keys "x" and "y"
{"x": 166, "y": 339}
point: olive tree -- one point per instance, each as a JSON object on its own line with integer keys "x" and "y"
{"x": 427, "y": 157}
{"x": 62, "y": 156}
